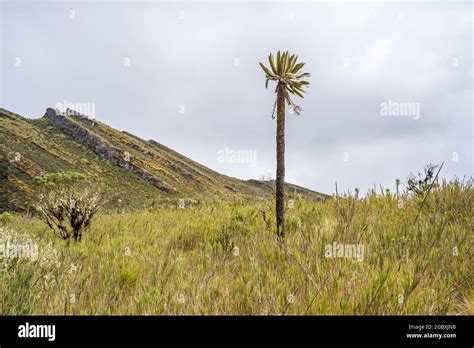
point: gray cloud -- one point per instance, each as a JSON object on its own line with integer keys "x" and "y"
{"x": 360, "y": 55}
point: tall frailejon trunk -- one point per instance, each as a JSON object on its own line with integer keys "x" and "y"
{"x": 280, "y": 156}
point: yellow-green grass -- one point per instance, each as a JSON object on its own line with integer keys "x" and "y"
{"x": 221, "y": 258}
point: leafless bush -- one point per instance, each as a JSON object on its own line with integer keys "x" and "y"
{"x": 421, "y": 183}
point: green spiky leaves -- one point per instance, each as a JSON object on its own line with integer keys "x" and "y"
{"x": 286, "y": 70}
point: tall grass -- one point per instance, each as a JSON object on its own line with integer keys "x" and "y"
{"x": 220, "y": 258}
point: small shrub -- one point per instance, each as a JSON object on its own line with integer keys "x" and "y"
{"x": 421, "y": 183}
{"x": 67, "y": 202}
{"x": 222, "y": 241}
{"x": 128, "y": 276}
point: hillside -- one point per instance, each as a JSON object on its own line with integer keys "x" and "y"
{"x": 134, "y": 172}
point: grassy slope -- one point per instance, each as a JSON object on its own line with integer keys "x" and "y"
{"x": 45, "y": 148}
{"x": 223, "y": 259}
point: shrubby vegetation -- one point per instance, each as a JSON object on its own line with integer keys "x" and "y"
{"x": 221, "y": 258}
{"x": 67, "y": 202}
{"x": 421, "y": 184}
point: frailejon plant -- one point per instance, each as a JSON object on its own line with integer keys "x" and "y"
{"x": 285, "y": 71}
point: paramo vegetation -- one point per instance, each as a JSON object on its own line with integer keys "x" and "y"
{"x": 223, "y": 258}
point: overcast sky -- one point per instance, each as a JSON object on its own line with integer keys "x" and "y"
{"x": 187, "y": 76}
